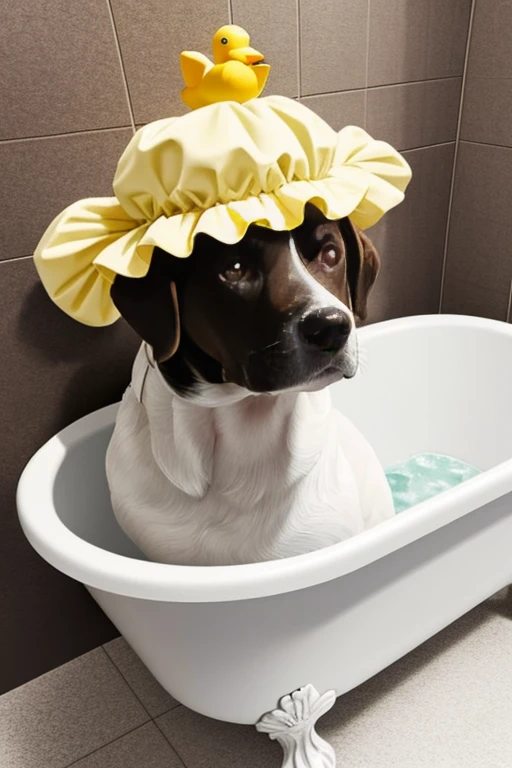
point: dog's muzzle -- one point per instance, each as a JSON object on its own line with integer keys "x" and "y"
{"x": 325, "y": 330}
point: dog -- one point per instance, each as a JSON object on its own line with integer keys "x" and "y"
{"x": 226, "y": 448}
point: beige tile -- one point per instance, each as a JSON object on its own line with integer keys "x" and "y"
{"x": 152, "y": 35}
{"x": 411, "y": 237}
{"x": 205, "y": 743}
{"x": 339, "y": 109}
{"x": 145, "y": 747}
{"x": 274, "y": 31}
{"x": 415, "y": 114}
{"x": 40, "y": 177}
{"x": 479, "y": 262}
{"x": 60, "y": 69}
{"x": 54, "y": 370}
{"x": 416, "y": 39}
{"x": 333, "y": 41}
{"x": 154, "y": 698}
{"x": 65, "y": 714}
{"x": 446, "y": 704}
{"x": 487, "y": 112}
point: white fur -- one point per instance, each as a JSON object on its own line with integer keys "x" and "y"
{"x": 232, "y": 477}
{"x": 320, "y": 298}
{"x": 319, "y": 293}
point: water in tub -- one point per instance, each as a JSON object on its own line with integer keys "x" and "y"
{"x": 425, "y": 475}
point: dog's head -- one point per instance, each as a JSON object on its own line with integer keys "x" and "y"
{"x": 274, "y": 312}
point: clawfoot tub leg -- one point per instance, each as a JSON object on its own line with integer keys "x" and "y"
{"x": 293, "y": 725}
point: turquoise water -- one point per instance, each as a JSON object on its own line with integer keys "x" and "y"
{"x": 425, "y": 475}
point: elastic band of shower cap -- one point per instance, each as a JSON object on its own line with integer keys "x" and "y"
{"x": 216, "y": 171}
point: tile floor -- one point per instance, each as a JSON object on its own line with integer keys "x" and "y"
{"x": 448, "y": 704}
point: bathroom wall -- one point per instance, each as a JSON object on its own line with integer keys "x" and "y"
{"x": 77, "y": 78}
{"x": 479, "y": 263}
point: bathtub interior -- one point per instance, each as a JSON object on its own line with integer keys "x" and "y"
{"x": 422, "y": 390}
{"x": 82, "y": 499}
{"x": 433, "y": 389}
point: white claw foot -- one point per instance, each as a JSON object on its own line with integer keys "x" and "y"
{"x": 293, "y": 725}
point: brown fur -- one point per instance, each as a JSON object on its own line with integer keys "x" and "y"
{"x": 246, "y": 332}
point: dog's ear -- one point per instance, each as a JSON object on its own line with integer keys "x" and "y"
{"x": 363, "y": 264}
{"x": 150, "y": 305}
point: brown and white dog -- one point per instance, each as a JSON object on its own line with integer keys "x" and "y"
{"x": 226, "y": 447}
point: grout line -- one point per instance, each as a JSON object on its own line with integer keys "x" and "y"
{"x": 509, "y": 308}
{"x": 486, "y": 144}
{"x": 427, "y": 146}
{"x": 15, "y": 258}
{"x": 121, "y": 63}
{"x": 385, "y": 85}
{"x": 416, "y": 82}
{"x": 455, "y": 156}
{"x": 368, "y": 12}
{"x": 299, "y": 52}
{"x": 305, "y": 96}
{"x": 126, "y": 681}
{"x": 309, "y": 95}
{"x": 99, "y": 130}
{"x": 113, "y": 741}
{"x": 67, "y": 133}
{"x": 180, "y": 758}
{"x": 171, "y": 709}
{"x": 230, "y": 11}
{"x": 134, "y": 692}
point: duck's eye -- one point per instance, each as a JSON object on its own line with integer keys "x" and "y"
{"x": 224, "y": 41}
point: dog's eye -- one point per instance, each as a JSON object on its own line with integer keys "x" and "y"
{"x": 235, "y": 273}
{"x": 329, "y": 256}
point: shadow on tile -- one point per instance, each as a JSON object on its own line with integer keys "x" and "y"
{"x": 339, "y": 109}
{"x": 443, "y": 704}
{"x": 89, "y": 355}
{"x": 412, "y": 691}
{"x": 148, "y": 690}
{"x": 352, "y": 704}
{"x": 52, "y": 335}
{"x": 145, "y": 747}
{"x": 66, "y": 714}
{"x": 411, "y": 237}
{"x": 205, "y": 743}
{"x": 501, "y": 603}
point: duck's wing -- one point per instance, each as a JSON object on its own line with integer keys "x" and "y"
{"x": 261, "y": 71}
{"x": 194, "y": 66}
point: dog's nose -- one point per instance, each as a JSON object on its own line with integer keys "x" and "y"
{"x": 326, "y": 329}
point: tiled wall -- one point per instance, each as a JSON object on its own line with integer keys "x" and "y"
{"x": 479, "y": 262}
{"x": 77, "y": 77}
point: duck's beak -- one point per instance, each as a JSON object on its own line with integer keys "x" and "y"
{"x": 246, "y": 55}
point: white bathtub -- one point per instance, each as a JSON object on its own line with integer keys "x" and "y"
{"x": 229, "y": 642}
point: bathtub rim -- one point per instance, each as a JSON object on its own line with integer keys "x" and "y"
{"x": 118, "y": 574}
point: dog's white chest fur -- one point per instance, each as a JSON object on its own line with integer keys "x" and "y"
{"x": 237, "y": 478}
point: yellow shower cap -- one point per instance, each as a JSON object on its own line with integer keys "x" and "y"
{"x": 216, "y": 170}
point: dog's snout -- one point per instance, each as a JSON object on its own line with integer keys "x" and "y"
{"x": 325, "y": 329}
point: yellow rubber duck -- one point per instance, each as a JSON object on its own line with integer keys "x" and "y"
{"x": 235, "y": 75}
